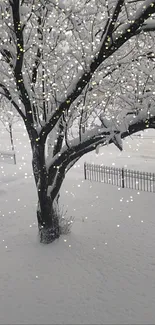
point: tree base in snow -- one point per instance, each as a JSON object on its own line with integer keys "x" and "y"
{"x": 48, "y": 235}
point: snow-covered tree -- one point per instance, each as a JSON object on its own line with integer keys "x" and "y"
{"x": 8, "y": 117}
{"x": 58, "y": 59}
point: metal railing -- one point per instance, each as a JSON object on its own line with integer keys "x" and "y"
{"x": 120, "y": 177}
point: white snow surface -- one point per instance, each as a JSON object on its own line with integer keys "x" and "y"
{"x": 103, "y": 272}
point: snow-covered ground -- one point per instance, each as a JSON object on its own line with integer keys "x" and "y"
{"x": 103, "y": 271}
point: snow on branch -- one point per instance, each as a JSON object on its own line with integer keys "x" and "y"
{"x": 91, "y": 137}
{"x": 147, "y": 26}
{"x": 109, "y": 133}
{"x": 129, "y": 29}
{"x": 133, "y": 123}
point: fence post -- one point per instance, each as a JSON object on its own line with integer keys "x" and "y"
{"x": 85, "y": 171}
{"x": 122, "y": 177}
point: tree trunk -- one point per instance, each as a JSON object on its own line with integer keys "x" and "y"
{"x": 48, "y": 220}
{"x": 48, "y": 183}
{"x": 47, "y": 210}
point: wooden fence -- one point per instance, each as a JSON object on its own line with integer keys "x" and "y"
{"x": 121, "y": 177}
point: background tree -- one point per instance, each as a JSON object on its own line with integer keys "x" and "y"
{"x": 8, "y": 117}
{"x": 55, "y": 58}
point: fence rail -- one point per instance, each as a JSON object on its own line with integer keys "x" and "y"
{"x": 121, "y": 177}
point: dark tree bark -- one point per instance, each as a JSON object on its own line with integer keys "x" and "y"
{"x": 48, "y": 220}
{"x": 47, "y": 214}
{"x": 48, "y": 184}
